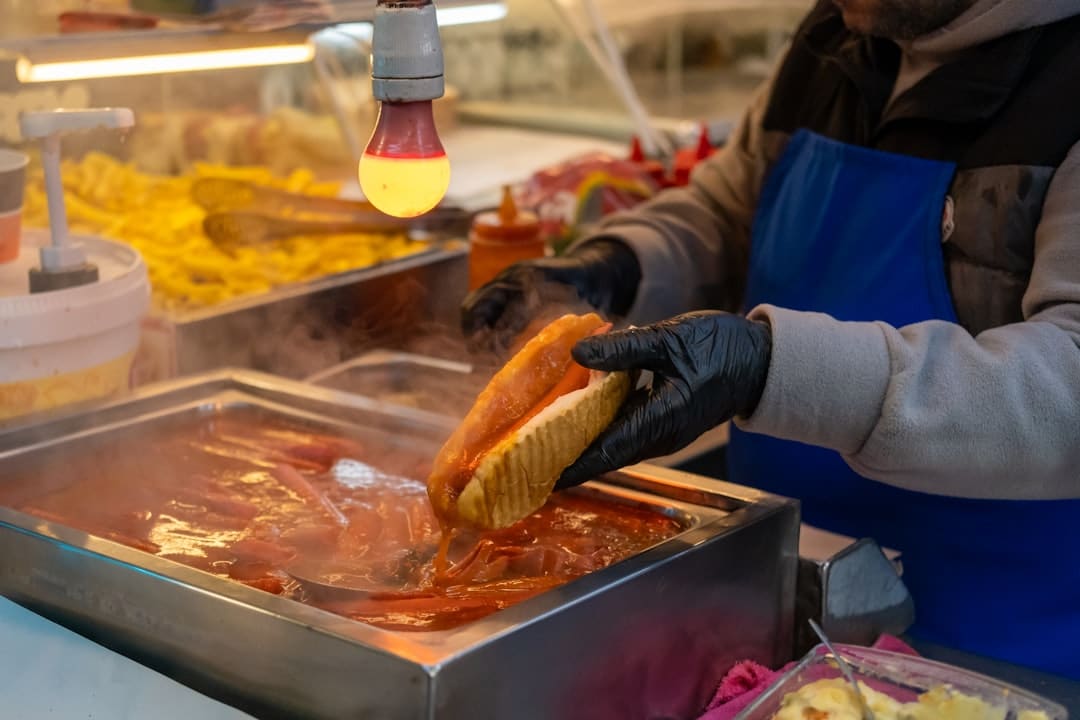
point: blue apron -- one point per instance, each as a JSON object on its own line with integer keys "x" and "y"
{"x": 856, "y": 233}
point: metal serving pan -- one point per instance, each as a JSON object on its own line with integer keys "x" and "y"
{"x": 297, "y": 329}
{"x": 648, "y": 637}
{"x": 437, "y": 385}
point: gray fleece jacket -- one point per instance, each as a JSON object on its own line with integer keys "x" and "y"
{"x": 928, "y": 407}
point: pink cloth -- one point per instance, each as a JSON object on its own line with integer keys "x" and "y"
{"x": 740, "y": 687}
{"x": 747, "y": 679}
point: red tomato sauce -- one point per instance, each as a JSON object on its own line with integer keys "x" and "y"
{"x": 251, "y": 500}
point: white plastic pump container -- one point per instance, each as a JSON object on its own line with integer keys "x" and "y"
{"x": 74, "y": 344}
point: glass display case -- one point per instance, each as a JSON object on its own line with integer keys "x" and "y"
{"x": 277, "y": 95}
{"x": 519, "y": 61}
{"x": 688, "y": 60}
{"x": 250, "y": 99}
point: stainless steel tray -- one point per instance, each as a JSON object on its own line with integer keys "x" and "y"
{"x": 645, "y": 638}
{"x": 297, "y": 329}
{"x": 437, "y": 385}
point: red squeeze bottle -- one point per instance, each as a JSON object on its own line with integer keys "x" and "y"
{"x": 501, "y": 238}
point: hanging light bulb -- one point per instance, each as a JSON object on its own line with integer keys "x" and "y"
{"x": 404, "y": 170}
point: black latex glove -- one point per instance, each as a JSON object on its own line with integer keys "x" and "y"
{"x": 602, "y": 273}
{"x": 708, "y": 367}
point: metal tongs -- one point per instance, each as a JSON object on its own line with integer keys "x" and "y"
{"x": 845, "y": 670}
{"x": 242, "y": 213}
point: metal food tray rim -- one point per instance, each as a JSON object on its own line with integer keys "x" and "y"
{"x": 436, "y": 251}
{"x": 88, "y": 415}
{"x": 718, "y": 507}
{"x": 383, "y": 356}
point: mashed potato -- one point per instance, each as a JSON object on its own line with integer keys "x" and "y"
{"x": 834, "y": 699}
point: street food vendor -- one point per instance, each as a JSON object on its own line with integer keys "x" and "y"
{"x": 898, "y": 215}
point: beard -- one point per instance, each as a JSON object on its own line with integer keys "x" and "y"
{"x": 901, "y": 20}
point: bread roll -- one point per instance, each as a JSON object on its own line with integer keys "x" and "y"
{"x": 535, "y": 417}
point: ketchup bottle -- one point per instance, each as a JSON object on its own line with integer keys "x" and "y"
{"x": 500, "y": 239}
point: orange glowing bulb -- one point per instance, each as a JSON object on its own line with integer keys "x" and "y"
{"x": 404, "y": 170}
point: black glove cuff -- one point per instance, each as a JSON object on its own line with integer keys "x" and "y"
{"x": 761, "y": 338}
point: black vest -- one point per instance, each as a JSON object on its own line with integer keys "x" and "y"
{"x": 1005, "y": 112}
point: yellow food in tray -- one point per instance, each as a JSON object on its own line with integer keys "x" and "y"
{"x": 833, "y": 699}
{"x": 156, "y": 215}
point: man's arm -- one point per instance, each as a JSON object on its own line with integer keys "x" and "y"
{"x": 685, "y": 248}
{"x": 928, "y": 407}
{"x": 692, "y": 243}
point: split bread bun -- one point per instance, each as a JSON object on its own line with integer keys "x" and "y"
{"x": 535, "y": 417}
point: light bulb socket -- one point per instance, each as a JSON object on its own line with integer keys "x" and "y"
{"x": 406, "y": 53}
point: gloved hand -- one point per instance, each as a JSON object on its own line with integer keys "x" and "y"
{"x": 604, "y": 273}
{"x": 707, "y": 368}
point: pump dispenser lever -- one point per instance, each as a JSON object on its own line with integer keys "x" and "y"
{"x": 63, "y": 261}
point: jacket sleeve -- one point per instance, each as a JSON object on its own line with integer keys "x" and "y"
{"x": 692, "y": 243}
{"x": 928, "y": 407}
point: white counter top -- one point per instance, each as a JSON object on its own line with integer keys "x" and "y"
{"x": 47, "y": 671}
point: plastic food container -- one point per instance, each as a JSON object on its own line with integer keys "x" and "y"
{"x": 903, "y": 678}
{"x": 69, "y": 345}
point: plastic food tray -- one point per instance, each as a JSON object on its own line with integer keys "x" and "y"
{"x": 902, "y": 677}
